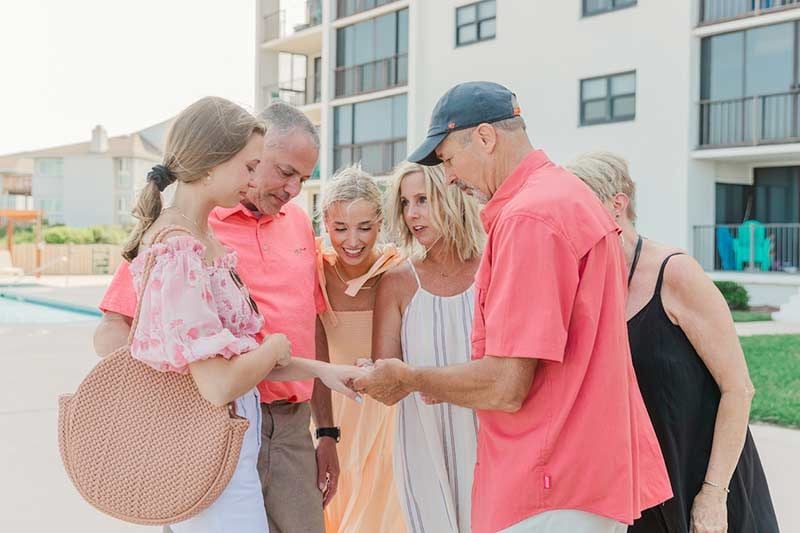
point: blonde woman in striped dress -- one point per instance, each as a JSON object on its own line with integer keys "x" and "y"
{"x": 423, "y": 315}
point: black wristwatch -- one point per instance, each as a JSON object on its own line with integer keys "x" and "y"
{"x": 335, "y": 433}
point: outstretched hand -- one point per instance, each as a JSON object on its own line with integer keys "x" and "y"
{"x": 386, "y": 382}
{"x": 340, "y": 378}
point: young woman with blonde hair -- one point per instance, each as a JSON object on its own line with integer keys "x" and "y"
{"x": 423, "y": 315}
{"x": 351, "y": 210}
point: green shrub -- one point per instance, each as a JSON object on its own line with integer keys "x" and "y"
{"x": 67, "y": 235}
{"x": 109, "y": 234}
{"x": 735, "y": 294}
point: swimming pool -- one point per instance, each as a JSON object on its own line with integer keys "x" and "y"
{"x": 14, "y": 310}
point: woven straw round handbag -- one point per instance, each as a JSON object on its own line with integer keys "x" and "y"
{"x": 143, "y": 446}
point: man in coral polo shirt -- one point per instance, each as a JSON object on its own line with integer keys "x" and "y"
{"x": 564, "y": 441}
{"x": 275, "y": 243}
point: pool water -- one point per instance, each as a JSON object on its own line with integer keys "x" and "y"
{"x": 17, "y": 312}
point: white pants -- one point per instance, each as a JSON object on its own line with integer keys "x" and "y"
{"x": 561, "y": 521}
{"x": 240, "y": 507}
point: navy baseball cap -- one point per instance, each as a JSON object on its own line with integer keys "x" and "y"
{"x": 464, "y": 106}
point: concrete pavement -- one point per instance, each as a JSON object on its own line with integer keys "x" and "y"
{"x": 40, "y": 362}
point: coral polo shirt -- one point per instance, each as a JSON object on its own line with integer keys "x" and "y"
{"x": 551, "y": 287}
{"x": 277, "y": 262}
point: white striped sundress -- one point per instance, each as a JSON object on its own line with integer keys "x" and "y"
{"x": 434, "y": 455}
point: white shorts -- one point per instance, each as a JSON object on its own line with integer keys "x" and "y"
{"x": 240, "y": 507}
{"x": 560, "y": 521}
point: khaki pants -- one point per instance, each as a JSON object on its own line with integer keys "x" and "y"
{"x": 287, "y": 465}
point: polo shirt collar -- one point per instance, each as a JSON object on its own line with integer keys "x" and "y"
{"x": 512, "y": 184}
{"x": 226, "y": 212}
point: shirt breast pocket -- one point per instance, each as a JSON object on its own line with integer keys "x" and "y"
{"x": 482, "y": 278}
{"x": 479, "y": 323}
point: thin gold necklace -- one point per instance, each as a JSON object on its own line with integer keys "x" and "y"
{"x": 208, "y": 232}
{"x": 339, "y": 275}
{"x": 444, "y": 274}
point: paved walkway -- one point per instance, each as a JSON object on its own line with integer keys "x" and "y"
{"x": 40, "y": 362}
{"x": 747, "y": 329}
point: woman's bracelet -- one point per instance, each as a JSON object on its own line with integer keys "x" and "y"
{"x": 712, "y": 484}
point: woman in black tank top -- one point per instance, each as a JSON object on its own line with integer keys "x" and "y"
{"x": 692, "y": 376}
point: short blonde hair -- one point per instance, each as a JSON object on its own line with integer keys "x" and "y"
{"x": 453, "y": 214}
{"x": 607, "y": 175}
{"x": 350, "y": 184}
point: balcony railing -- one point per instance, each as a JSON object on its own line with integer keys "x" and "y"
{"x": 277, "y": 25}
{"x": 16, "y": 201}
{"x": 373, "y": 76}
{"x": 345, "y": 8}
{"x": 289, "y": 92}
{"x": 16, "y": 184}
{"x": 749, "y": 247}
{"x": 377, "y": 157}
{"x": 749, "y": 121}
{"x": 717, "y": 10}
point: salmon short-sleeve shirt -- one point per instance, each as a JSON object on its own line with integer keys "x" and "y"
{"x": 277, "y": 262}
{"x": 551, "y": 287}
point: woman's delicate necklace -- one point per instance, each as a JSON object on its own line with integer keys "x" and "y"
{"x": 445, "y": 274}
{"x": 208, "y": 232}
{"x": 339, "y": 275}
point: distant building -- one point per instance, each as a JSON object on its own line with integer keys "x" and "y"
{"x": 83, "y": 184}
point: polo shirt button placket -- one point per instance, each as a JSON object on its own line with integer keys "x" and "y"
{"x": 262, "y": 242}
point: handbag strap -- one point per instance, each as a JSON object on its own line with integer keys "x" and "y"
{"x": 148, "y": 267}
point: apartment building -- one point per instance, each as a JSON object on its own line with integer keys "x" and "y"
{"x": 83, "y": 184}
{"x": 701, "y": 96}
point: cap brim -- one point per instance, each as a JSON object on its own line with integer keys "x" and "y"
{"x": 425, "y": 154}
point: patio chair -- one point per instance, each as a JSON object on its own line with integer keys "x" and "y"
{"x": 761, "y": 249}
{"x": 7, "y": 268}
{"x": 727, "y": 257}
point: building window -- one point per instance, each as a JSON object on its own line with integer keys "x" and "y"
{"x": 50, "y": 166}
{"x": 123, "y": 204}
{"x": 475, "y": 22}
{"x": 608, "y": 99}
{"x": 718, "y": 10}
{"x": 123, "y": 181}
{"x": 291, "y": 87}
{"x": 122, "y": 165}
{"x": 122, "y": 173}
{"x": 749, "y": 90}
{"x": 372, "y": 55}
{"x": 315, "y": 214}
{"x": 317, "y": 79}
{"x": 346, "y": 8}
{"x": 372, "y": 132}
{"x": 596, "y": 7}
{"x": 51, "y": 205}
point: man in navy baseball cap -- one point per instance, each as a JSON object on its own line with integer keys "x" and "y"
{"x": 486, "y": 116}
{"x": 464, "y": 106}
{"x": 551, "y": 368}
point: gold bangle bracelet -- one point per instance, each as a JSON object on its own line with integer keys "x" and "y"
{"x": 712, "y": 484}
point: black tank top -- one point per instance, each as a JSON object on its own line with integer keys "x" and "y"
{"x": 682, "y": 398}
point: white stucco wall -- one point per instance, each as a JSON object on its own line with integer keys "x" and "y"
{"x": 542, "y": 50}
{"x": 88, "y": 190}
